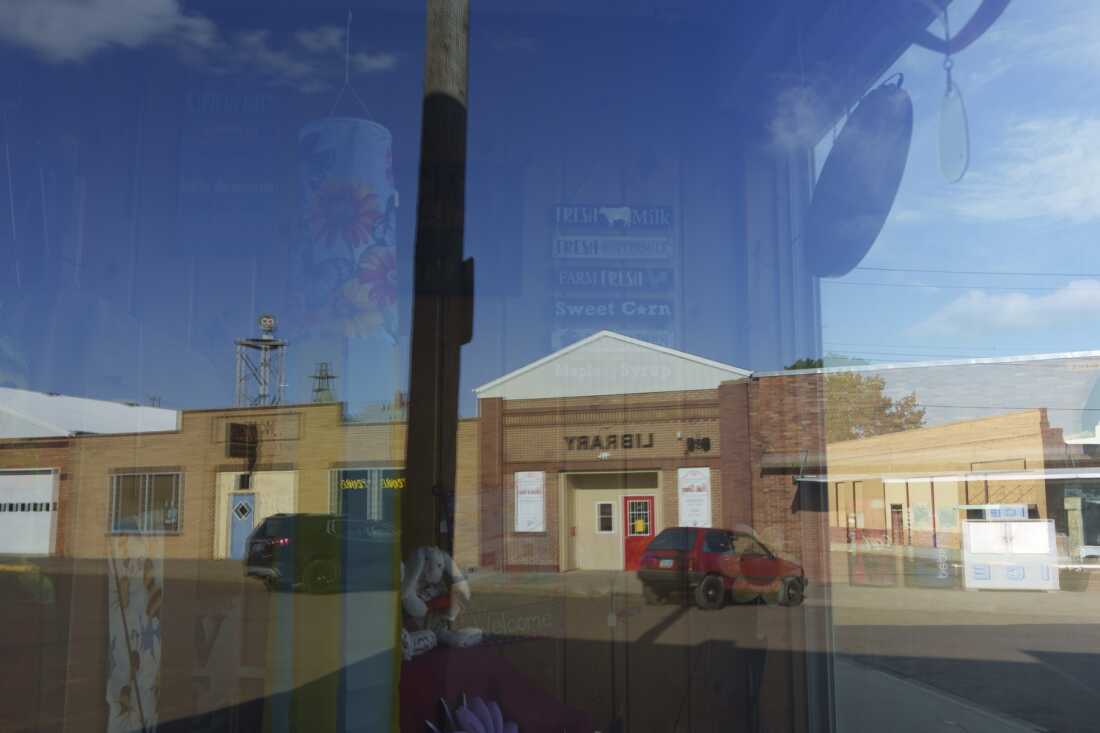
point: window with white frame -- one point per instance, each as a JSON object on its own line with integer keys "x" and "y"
{"x": 146, "y": 503}
{"x": 605, "y": 517}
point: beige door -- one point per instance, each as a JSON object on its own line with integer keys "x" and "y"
{"x": 596, "y": 523}
{"x": 599, "y": 535}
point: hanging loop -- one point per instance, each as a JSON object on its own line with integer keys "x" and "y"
{"x": 948, "y": 63}
{"x": 347, "y": 74}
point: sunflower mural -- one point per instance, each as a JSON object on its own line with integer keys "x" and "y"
{"x": 350, "y": 205}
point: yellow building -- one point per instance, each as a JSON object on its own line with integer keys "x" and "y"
{"x": 907, "y": 488}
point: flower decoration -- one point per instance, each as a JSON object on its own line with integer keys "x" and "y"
{"x": 472, "y": 715}
{"x": 343, "y": 210}
{"x": 378, "y": 271}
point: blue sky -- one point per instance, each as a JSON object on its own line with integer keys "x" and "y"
{"x": 158, "y": 203}
{"x": 1029, "y": 204}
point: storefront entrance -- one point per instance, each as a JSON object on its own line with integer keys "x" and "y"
{"x": 612, "y": 517}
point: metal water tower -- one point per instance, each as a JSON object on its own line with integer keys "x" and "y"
{"x": 261, "y": 367}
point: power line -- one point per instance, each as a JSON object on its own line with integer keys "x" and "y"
{"x": 938, "y": 287}
{"x": 1009, "y": 407}
{"x": 915, "y": 346}
{"x": 930, "y": 271}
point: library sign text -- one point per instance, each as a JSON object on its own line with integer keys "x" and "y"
{"x": 626, "y": 441}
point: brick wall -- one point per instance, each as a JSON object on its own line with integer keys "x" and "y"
{"x": 490, "y": 500}
{"x": 544, "y": 435}
{"x": 787, "y": 417}
{"x": 736, "y": 462}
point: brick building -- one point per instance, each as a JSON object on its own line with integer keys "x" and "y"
{"x": 575, "y": 462}
{"x": 187, "y": 487}
{"x": 588, "y": 453}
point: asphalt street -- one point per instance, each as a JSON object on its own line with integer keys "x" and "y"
{"x": 912, "y": 659}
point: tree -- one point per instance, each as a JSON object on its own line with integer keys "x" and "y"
{"x": 805, "y": 363}
{"x": 856, "y": 405}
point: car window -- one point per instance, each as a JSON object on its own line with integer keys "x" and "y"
{"x": 674, "y": 538}
{"x": 273, "y": 528}
{"x": 717, "y": 541}
{"x": 745, "y": 545}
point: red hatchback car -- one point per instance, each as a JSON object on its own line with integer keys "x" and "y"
{"x": 713, "y": 564}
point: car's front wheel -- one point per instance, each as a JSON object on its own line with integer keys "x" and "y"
{"x": 710, "y": 594}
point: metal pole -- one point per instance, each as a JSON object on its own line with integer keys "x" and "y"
{"x": 443, "y": 283}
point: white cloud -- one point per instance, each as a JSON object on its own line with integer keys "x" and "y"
{"x": 367, "y": 63}
{"x": 321, "y": 39}
{"x": 798, "y": 117}
{"x": 1044, "y": 168}
{"x": 311, "y": 60}
{"x": 72, "y": 30}
{"x": 978, "y": 312}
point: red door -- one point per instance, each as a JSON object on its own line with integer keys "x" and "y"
{"x": 638, "y": 511}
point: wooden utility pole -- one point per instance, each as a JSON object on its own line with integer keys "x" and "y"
{"x": 443, "y": 285}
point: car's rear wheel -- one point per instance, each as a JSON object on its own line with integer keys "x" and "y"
{"x": 271, "y": 584}
{"x": 651, "y": 595}
{"x": 710, "y": 594}
{"x": 320, "y": 576}
{"x": 792, "y": 593}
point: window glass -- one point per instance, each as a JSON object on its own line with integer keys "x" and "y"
{"x": 128, "y": 503}
{"x": 484, "y": 319}
{"x": 673, "y": 538}
{"x": 605, "y": 519}
{"x": 163, "y": 507}
{"x": 717, "y": 541}
{"x": 744, "y": 545}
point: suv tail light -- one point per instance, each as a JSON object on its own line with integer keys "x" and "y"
{"x": 281, "y": 541}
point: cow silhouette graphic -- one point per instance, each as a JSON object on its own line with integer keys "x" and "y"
{"x": 616, "y": 215}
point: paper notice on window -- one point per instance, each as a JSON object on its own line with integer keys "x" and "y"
{"x": 530, "y": 501}
{"x": 693, "y": 486}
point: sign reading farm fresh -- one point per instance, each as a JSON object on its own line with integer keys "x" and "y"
{"x": 693, "y": 487}
{"x": 530, "y": 501}
{"x": 615, "y": 278}
{"x": 606, "y": 442}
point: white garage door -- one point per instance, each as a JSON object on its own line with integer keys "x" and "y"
{"x": 28, "y": 509}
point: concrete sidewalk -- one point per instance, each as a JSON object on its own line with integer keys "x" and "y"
{"x": 873, "y": 699}
{"x": 574, "y": 584}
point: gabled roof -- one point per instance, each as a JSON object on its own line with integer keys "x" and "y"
{"x": 610, "y": 363}
{"x": 27, "y": 414}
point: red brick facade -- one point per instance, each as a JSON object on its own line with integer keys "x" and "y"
{"x": 750, "y": 424}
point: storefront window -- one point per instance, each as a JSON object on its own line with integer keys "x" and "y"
{"x": 655, "y": 366}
